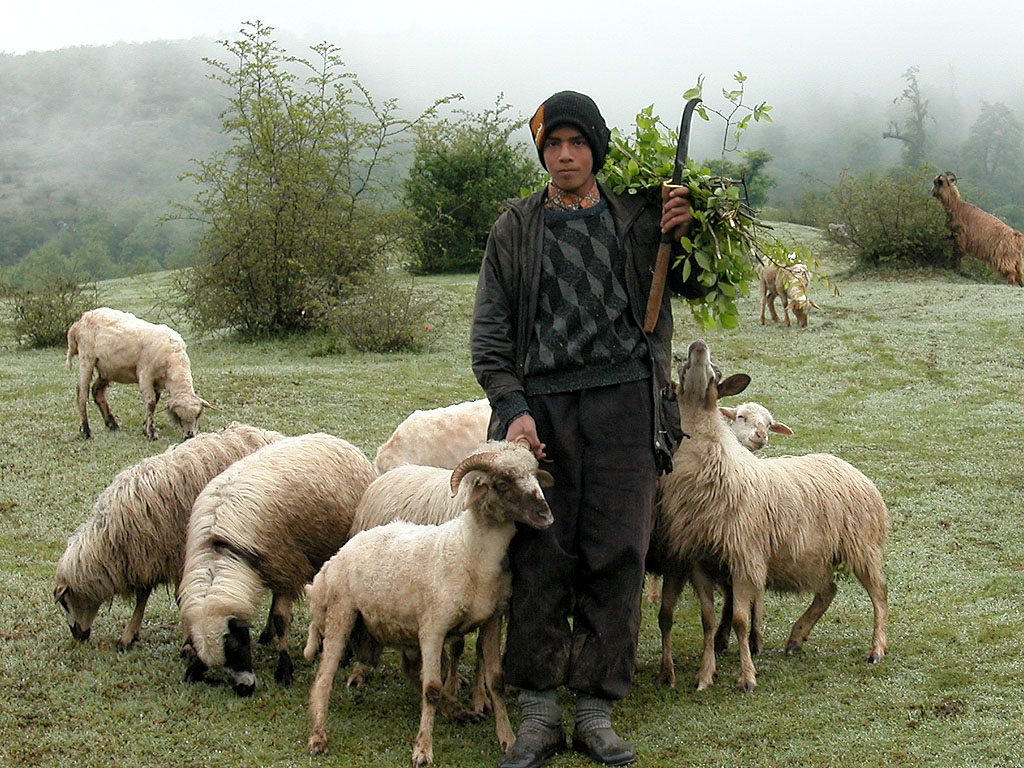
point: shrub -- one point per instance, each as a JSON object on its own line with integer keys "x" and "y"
{"x": 462, "y": 172}
{"x": 383, "y": 315}
{"x": 40, "y": 317}
{"x": 889, "y": 219}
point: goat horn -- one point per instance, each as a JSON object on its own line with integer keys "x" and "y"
{"x": 468, "y": 464}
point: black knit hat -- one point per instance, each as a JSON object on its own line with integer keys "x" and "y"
{"x": 575, "y": 109}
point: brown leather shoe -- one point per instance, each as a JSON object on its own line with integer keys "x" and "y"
{"x": 533, "y": 746}
{"x": 603, "y": 745}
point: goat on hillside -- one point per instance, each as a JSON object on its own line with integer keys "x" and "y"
{"x": 978, "y": 233}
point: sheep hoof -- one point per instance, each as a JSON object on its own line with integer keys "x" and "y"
{"x": 266, "y": 637}
{"x": 195, "y": 671}
{"x": 317, "y": 744}
{"x": 284, "y": 673}
{"x": 667, "y": 677}
{"x": 112, "y": 425}
{"x": 124, "y": 645}
{"x": 792, "y": 647}
{"x": 874, "y": 658}
{"x": 746, "y": 685}
{"x": 422, "y": 756}
{"x": 86, "y": 432}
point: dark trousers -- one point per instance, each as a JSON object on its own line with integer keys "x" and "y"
{"x": 574, "y": 614}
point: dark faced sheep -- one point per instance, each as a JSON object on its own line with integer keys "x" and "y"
{"x": 980, "y": 234}
{"x": 267, "y": 522}
{"x": 134, "y": 539}
{"x": 117, "y": 346}
{"x": 778, "y": 523}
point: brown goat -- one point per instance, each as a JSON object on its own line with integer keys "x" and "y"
{"x": 980, "y": 234}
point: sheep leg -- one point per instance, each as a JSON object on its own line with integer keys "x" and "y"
{"x": 431, "y": 648}
{"x": 873, "y": 580}
{"x": 150, "y": 396}
{"x": 131, "y": 632}
{"x": 725, "y": 624}
{"x": 282, "y": 613}
{"x": 745, "y": 594}
{"x": 99, "y": 396}
{"x": 480, "y": 699}
{"x": 489, "y": 668}
{"x": 803, "y": 626}
{"x": 338, "y": 623}
{"x": 456, "y": 646}
{"x": 771, "y": 308}
{"x": 756, "y": 639}
{"x": 671, "y": 586}
{"x": 705, "y": 589}
{"x": 85, "y": 370}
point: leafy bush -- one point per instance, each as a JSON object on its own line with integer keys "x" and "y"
{"x": 40, "y": 317}
{"x": 384, "y": 315}
{"x": 296, "y": 209}
{"x": 889, "y": 219}
{"x": 462, "y": 172}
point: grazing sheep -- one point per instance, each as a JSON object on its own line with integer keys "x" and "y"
{"x": 777, "y": 523}
{"x": 413, "y": 585}
{"x": 752, "y": 422}
{"x": 120, "y": 347}
{"x": 978, "y": 233}
{"x": 134, "y": 538}
{"x": 269, "y": 521}
{"x": 440, "y": 437}
{"x": 789, "y": 284}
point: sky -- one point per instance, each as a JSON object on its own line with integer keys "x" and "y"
{"x": 625, "y": 54}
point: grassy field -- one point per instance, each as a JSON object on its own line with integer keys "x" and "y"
{"x": 914, "y": 378}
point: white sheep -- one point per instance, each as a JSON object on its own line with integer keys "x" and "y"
{"x": 751, "y": 422}
{"x": 119, "y": 347}
{"x": 788, "y": 283}
{"x": 439, "y": 437}
{"x": 267, "y": 522}
{"x": 412, "y": 586}
{"x": 778, "y": 523}
{"x": 134, "y": 539}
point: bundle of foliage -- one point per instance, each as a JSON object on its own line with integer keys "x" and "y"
{"x": 295, "y": 209}
{"x": 462, "y": 171}
{"x": 40, "y": 316}
{"x": 727, "y": 239}
{"x": 890, "y": 219}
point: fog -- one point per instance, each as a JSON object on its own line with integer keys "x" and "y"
{"x": 820, "y": 65}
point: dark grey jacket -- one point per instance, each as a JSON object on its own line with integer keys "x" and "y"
{"x": 506, "y": 302}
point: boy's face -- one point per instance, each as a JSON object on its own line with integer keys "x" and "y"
{"x": 568, "y": 159}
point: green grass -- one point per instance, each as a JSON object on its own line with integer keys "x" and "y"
{"x": 915, "y": 378}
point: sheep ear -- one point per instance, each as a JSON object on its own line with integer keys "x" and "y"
{"x": 545, "y": 479}
{"x": 729, "y": 413}
{"x": 733, "y": 385}
{"x": 207, "y": 405}
{"x": 811, "y": 303}
{"x": 478, "y": 490}
{"x": 59, "y": 592}
{"x": 782, "y": 429}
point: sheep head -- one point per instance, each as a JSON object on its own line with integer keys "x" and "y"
{"x": 507, "y": 484}
{"x": 751, "y": 422}
{"x": 81, "y": 612}
{"x": 700, "y": 382}
{"x": 185, "y": 409}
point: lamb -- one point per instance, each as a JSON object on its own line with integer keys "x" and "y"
{"x": 440, "y": 437}
{"x": 789, "y": 284}
{"x": 413, "y": 585}
{"x": 268, "y": 521}
{"x": 979, "y": 233}
{"x": 120, "y": 347}
{"x": 134, "y": 538}
{"x": 752, "y": 422}
{"x": 777, "y": 523}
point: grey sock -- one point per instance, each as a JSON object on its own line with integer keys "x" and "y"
{"x": 540, "y": 709}
{"x": 592, "y": 713}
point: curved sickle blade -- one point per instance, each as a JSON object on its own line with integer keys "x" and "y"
{"x": 683, "y": 145}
